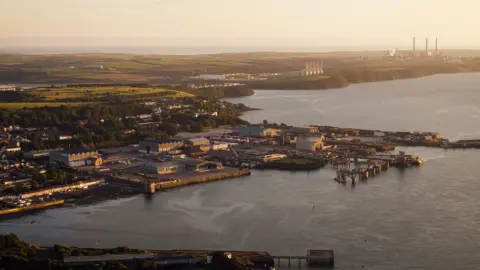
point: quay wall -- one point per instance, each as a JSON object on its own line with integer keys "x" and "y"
{"x": 174, "y": 184}
{"x": 57, "y": 189}
{"x": 31, "y": 207}
{"x": 63, "y": 188}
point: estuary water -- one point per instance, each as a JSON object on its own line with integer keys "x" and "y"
{"x": 417, "y": 218}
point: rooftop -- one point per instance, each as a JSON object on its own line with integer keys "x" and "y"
{"x": 162, "y": 140}
{"x": 76, "y": 151}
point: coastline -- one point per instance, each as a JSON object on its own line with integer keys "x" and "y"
{"x": 344, "y": 80}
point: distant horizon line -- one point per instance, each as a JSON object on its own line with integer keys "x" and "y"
{"x": 200, "y": 49}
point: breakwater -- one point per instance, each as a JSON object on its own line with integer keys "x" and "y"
{"x": 36, "y": 206}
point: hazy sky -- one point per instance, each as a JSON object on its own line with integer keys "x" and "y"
{"x": 239, "y": 22}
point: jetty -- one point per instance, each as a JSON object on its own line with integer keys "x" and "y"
{"x": 362, "y": 167}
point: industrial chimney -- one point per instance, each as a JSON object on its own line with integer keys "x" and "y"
{"x": 436, "y": 46}
{"x": 426, "y": 44}
{"x": 413, "y": 51}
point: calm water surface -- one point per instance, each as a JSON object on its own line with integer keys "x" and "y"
{"x": 418, "y": 218}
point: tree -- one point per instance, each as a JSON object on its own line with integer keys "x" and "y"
{"x": 265, "y": 122}
{"x": 196, "y": 127}
{"x": 156, "y": 118}
{"x": 170, "y": 129}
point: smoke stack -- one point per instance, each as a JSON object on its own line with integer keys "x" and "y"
{"x": 426, "y": 44}
{"x": 436, "y": 45}
{"x": 413, "y": 46}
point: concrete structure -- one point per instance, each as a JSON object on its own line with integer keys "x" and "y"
{"x": 378, "y": 134}
{"x": 62, "y": 188}
{"x": 76, "y": 157}
{"x": 159, "y": 146}
{"x": 164, "y": 167}
{"x": 310, "y": 144}
{"x": 258, "y": 131}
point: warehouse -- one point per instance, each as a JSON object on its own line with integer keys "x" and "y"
{"x": 76, "y": 157}
{"x": 159, "y": 146}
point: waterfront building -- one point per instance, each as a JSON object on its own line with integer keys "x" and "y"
{"x": 258, "y": 131}
{"x": 303, "y": 130}
{"x": 164, "y": 167}
{"x": 310, "y": 144}
{"x": 76, "y": 157}
{"x": 159, "y": 146}
{"x": 200, "y": 165}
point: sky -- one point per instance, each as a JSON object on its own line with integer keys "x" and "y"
{"x": 239, "y": 22}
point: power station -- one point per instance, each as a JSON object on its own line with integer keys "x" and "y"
{"x": 427, "y": 52}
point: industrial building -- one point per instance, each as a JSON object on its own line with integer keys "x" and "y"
{"x": 310, "y": 144}
{"x": 259, "y": 131}
{"x": 164, "y": 167}
{"x": 159, "y": 146}
{"x": 76, "y": 157}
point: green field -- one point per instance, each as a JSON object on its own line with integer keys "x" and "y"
{"x": 52, "y": 94}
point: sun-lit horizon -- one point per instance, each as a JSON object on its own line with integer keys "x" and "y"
{"x": 344, "y": 23}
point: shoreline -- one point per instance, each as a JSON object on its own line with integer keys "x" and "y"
{"x": 321, "y": 85}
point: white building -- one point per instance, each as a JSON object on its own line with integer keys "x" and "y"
{"x": 219, "y": 146}
{"x": 310, "y": 144}
{"x": 209, "y": 77}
